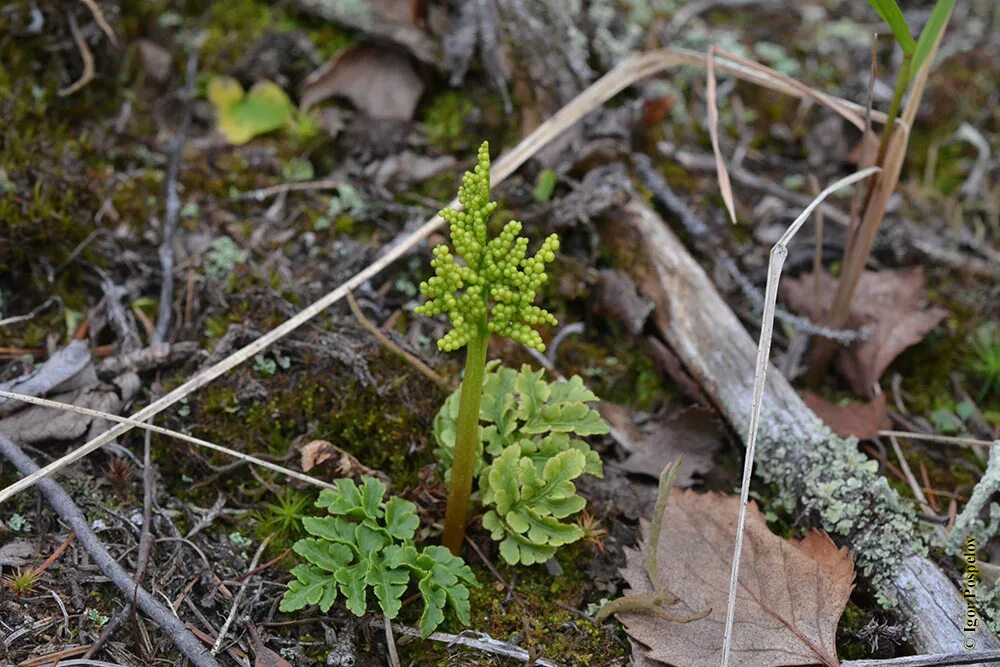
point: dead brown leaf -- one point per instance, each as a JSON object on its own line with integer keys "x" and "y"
{"x": 790, "y": 598}
{"x": 263, "y": 656}
{"x": 344, "y": 463}
{"x": 378, "y": 81}
{"x": 693, "y": 433}
{"x": 888, "y": 303}
{"x": 862, "y": 420}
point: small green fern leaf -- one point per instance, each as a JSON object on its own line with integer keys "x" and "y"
{"x": 366, "y": 542}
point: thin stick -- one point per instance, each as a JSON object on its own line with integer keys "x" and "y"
{"x": 44, "y": 402}
{"x": 478, "y": 640}
{"x": 943, "y": 439}
{"x": 85, "y": 55}
{"x": 166, "y": 252}
{"x": 67, "y": 510}
{"x": 239, "y": 596}
{"x": 629, "y": 71}
{"x": 934, "y": 660}
{"x": 390, "y": 643}
{"x": 281, "y": 188}
{"x": 101, "y": 20}
{"x": 146, "y": 537}
{"x": 778, "y": 254}
{"x": 387, "y": 342}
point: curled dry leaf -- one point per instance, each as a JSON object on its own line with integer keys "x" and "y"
{"x": 791, "y": 593}
{"x": 862, "y": 420}
{"x": 888, "y": 304}
{"x": 378, "y": 81}
{"x": 344, "y": 463}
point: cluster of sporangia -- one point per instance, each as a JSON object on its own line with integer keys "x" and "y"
{"x": 495, "y": 271}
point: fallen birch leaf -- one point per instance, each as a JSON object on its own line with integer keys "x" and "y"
{"x": 344, "y": 463}
{"x": 791, "y": 593}
{"x": 862, "y": 420}
{"x": 378, "y": 81}
{"x": 888, "y": 303}
{"x": 245, "y": 115}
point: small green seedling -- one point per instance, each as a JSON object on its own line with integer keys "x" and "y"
{"x": 244, "y": 115}
{"x": 367, "y": 542}
{"x": 915, "y": 52}
{"x": 487, "y": 289}
{"x": 531, "y": 439}
{"x": 985, "y": 361}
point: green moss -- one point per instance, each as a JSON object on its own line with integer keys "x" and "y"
{"x": 387, "y": 427}
{"x": 537, "y": 617}
{"x": 445, "y": 118}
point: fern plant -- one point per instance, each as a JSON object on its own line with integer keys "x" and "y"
{"x": 486, "y": 287}
{"x": 366, "y": 542}
{"x": 533, "y": 452}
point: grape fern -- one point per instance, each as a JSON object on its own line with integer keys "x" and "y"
{"x": 534, "y": 452}
{"x": 486, "y": 287}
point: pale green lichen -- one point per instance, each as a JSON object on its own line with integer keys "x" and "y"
{"x": 840, "y": 486}
{"x": 969, "y": 524}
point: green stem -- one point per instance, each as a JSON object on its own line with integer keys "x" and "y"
{"x": 466, "y": 442}
{"x": 902, "y": 79}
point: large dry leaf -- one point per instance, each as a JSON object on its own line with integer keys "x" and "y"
{"x": 378, "y": 81}
{"x": 888, "y": 303}
{"x": 694, "y": 434}
{"x": 791, "y": 593}
{"x": 862, "y": 420}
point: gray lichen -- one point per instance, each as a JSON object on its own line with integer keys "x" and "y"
{"x": 840, "y": 486}
{"x": 970, "y": 524}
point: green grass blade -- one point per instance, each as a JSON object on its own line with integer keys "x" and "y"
{"x": 890, "y": 13}
{"x": 935, "y": 24}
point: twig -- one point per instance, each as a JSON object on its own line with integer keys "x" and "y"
{"x": 700, "y": 232}
{"x": 935, "y": 660}
{"x": 390, "y": 643}
{"x": 478, "y": 640}
{"x": 239, "y": 597}
{"x": 778, "y": 254}
{"x": 85, "y": 55}
{"x": 146, "y": 536}
{"x": 166, "y": 251}
{"x": 67, "y": 510}
{"x": 101, "y": 20}
{"x": 34, "y": 311}
{"x": 629, "y": 71}
{"x": 55, "y": 554}
{"x": 44, "y": 402}
{"x": 282, "y": 188}
{"x": 109, "y": 630}
{"x": 943, "y": 439}
{"x": 748, "y": 179}
{"x": 386, "y": 342}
